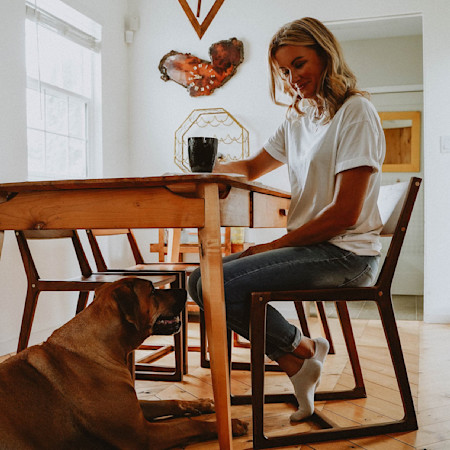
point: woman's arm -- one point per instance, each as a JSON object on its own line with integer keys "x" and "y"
{"x": 252, "y": 168}
{"x": 340, "y": 214}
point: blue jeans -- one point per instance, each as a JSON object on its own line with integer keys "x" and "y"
{"x": 313, "y": 266}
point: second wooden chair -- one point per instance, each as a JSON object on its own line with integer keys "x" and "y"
{"x": 87, "y": 280}
{"x": 178, "y": 270}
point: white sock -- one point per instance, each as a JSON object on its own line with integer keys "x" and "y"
{"x": 322, "y": 347}
{"x": 305, "y": 382}
{"x": 321, "y": 352}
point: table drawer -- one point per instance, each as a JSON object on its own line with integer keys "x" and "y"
{"x": 235, "y": 210}
{"x": 269, "y": 211}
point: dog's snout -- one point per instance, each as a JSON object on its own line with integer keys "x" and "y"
{"x": 173, "y": 300}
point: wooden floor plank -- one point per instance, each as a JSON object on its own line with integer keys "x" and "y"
{"x": 381, "y": 443}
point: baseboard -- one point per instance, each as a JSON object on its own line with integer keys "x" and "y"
{"x": 436, "y": 318}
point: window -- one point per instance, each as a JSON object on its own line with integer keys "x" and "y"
{"x": 62, "y": 60}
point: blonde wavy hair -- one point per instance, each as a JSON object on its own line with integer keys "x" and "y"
{"x": 337, "y": 83}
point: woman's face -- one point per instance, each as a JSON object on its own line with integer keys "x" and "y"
{"x": 301, "y": 67}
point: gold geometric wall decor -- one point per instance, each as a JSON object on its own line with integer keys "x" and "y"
{"x": 212, "y": 122}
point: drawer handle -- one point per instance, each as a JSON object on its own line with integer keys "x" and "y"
{"x": 282, "y": 212}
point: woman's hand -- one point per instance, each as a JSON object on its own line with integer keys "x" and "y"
{"x": 251, "y": 168}
{"x": 255, "y": 249}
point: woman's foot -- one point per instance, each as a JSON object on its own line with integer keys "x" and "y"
{"x": 305, "y": 382}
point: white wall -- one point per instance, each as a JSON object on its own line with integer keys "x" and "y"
{"x": 51, "y": 311}
{"x": 392, "y": 61}
{"x": 436, "y": 63}
{"x": 158, "y": 108}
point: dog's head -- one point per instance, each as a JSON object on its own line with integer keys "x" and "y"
{"x": 146, "y": 309}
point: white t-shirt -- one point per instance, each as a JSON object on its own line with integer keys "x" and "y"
{"x": 315, "y": 153}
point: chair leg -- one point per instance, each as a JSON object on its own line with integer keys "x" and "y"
{"x": 151, "y": 372}
{"x": 204, "y": 361}
{"x": 398, "y": 361}
{"x": 184, "y": 330}
{"x": 238, "y": 343}
{"x": 347, "y": 330}
{"x": 27, "y": 318}
{"x": 82, "y": 301}
{"x": 258, "y": 339}
{"x": 326, "y": 329}
{"x": 302, "y": 318}
{"x": 179, "y": 354}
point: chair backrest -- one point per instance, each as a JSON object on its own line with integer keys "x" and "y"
{"x": 395, "y": 203}
{"x": 390, "y": 202}
{"x": 97, "y": 253}
{"x": 28, "y": 260}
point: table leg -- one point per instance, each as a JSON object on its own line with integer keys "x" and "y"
{"x": 214, "y": 305}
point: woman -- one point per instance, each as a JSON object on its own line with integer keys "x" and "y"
{"x": 333, "y": 144}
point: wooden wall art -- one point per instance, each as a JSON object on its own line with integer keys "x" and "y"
{"x": 402, "y": 132}
{"x": 201, "y": 77}
{"x": 200, "y": 28}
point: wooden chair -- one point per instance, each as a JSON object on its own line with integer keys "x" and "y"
{"x": 396, "y": 204}
{"x": 180, "y": 271}
{"x": 85, "y": 283}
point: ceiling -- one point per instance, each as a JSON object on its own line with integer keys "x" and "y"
{"x": 377, "y": 27}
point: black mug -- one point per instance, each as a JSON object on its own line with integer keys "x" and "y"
{"x": 202, "y": 153}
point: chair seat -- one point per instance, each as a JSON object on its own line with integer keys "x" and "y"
{"x": 102, "y": 278}
{"x": 188, "y": 268}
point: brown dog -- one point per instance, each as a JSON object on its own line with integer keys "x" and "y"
{"x": 75, "y": 391}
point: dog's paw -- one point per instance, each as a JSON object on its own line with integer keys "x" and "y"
{"x": 197, "y": 407}
{"x": 239, "y": 427}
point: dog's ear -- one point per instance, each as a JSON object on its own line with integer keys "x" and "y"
{"x": 128, "y": 303}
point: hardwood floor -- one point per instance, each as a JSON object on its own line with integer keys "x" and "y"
{"x": 428, "y": 361}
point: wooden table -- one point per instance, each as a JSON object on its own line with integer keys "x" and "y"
{"x": 205, "y": 201}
